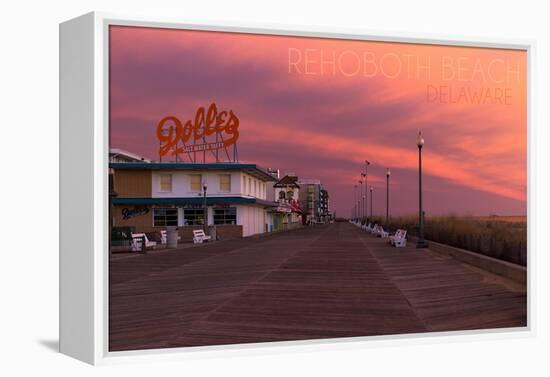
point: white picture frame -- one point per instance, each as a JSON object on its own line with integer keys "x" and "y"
{"x": 84, "y": 188}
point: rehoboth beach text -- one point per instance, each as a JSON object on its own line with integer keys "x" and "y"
{"x": 449, "y": 79}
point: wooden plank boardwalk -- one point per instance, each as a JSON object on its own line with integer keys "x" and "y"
{"x": 328, "y": 281}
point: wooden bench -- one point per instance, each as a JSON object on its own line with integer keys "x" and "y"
{"x": 199, "y": 236}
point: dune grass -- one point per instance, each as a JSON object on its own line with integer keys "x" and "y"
{"x": 504, "y": 238}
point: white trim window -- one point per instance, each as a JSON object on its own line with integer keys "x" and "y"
{"x": 225, "y": 216}
{"x": 165, "y": 182}
{"x": 225, "y": 182}
{"x": 195, "y": 182}
{"x": 165, "y": 217}
{"x": 193, "y": 216}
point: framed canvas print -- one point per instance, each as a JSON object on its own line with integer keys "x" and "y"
{"x": 231, "y": 186}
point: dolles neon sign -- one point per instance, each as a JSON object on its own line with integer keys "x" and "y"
{"x": 210, "y": 130}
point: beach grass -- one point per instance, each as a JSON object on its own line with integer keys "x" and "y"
{"x": 502, "y": 237}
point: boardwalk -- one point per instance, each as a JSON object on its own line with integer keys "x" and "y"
{"x": 321, "y": 282}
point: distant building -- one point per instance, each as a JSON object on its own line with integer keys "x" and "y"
{"x": 270, "y": 190}
{"x": 286, "y": 192}
{"x": 314, "y": 199}
{"x": 120, "y": 155}
{"x": 324, "y": 207}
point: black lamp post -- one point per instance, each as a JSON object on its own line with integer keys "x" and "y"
{"x": 360, "y": 201}
{"x": 388, "y": 173}
{"x": 367, "y": 163}
{"x": 421, "y": 241}
{"x": 364, "y": 208}
{"x": 204, "y": 188}
{"x": 355, "y": 202}
{"x": 371, "y": 189}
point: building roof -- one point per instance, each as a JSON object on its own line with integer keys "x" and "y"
{"x": 286, "y": 181}
{"x": 212, "y": 200}
{"x": 251, "y": 169}
{"x": 117, "y": 152}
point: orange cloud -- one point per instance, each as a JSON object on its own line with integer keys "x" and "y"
{"x": 375, "y": 112}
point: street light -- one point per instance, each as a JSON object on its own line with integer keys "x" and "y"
{"x": 360, "y": 201}
{"x": 363, "y": 175}
{"x": 371, "y": 190}
{"x": 355, "y": 202}
{"x": 388, "y": 173}
{"x": 204, "y": 188}
{"x": 421, "y": 241}
{"x": 364, "y": 210}
{"x": 367, "y": 163}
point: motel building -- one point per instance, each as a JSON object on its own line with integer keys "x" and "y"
{"x": 150, "y": 196}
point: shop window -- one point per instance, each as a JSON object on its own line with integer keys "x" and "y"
{"x": 196, "y": 181}
{"x": 166, "y": 182}
{"x": 225, "y": 182}
{"x": 194, "y": 216}
{"x": 225, "y": 216}
{"x": 165, "y": 216}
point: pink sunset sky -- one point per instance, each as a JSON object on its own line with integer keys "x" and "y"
{"x": 320, "y": 107}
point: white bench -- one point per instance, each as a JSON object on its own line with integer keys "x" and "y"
{"x": 399, "y": 239}
{"x": 199, "y": 236}
{"x": 394, "y": 236}
{"x": 137, "y": 241}
{"x": 379, "y": 231}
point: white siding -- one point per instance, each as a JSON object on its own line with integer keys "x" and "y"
{"x": 181, "y": 184}
{"x": 252, "y": 218}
